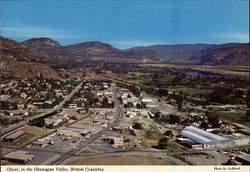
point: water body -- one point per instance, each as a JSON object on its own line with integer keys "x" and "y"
{"x": 210, "y": 75}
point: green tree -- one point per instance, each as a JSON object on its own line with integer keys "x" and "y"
{"x": 213, "y": 120}
{"x": 173, "y": 119}
{"x": 163, "y": 143}
{"x": 169, "y": 133}
{"x": 137, "y": 126}
{"x": 204, "y": 125}
{"x": 247, "y": 114}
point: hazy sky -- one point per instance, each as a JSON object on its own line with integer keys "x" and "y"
{"x": 127, "y": 23}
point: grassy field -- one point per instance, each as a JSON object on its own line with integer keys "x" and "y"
{"x": 31, "y": 114}
{"x": 20, "y": 141}
{"x": 84, "y": 152}
{"x": 191, "y": 91}
{"x": 231, "y": 115}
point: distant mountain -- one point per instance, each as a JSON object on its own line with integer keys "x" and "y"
{"x": 225, "y": 56}
{"x": 181, "y": 53}
{"x": 89, "y": 51}
{"x": 41, "y": 43}
{"x": 47, "y": 51}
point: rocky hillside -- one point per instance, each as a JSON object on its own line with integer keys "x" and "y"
{"x": 41, "y": 43}
{"x": 17, "y": 60}
{"x": 183, "y": 53}
{"x": 238, "y": 56}
{"x": 20, "y": 52}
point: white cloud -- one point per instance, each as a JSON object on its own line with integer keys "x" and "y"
{"x": 133, "y": 43}
{"x": 24, "y": 31}
{"x": 232, "y": 37}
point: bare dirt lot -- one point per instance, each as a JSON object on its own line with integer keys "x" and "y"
{"x": 121, "y": 160}
{"x": 211, "y": 158}
{"x": 36, "y": 130}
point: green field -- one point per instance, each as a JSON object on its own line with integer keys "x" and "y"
{"x": 84, "y": 152}
{"x": 31, "y": 114}
{"x": 231, "y": 115}
{"x": 191, "y": 91}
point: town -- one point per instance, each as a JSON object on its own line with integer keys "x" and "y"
{"x": 63, "y": 121}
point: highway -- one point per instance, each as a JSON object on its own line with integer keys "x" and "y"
{"x": 116, "y": 121}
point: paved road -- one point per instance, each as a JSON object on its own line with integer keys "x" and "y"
{"x": 121, "y": 152}
{"x": 116, "y": 121}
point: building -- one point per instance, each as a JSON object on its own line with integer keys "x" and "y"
{"x": 56, "y": 120}
{"x": 207, "y": 139}
{"x": 116, "y": 142}
{"x": 14, "y": 136}
{"x": 147, "y": 100}
{"x": 188, "y": 143}
{"x": 239, "y": 139}
{"x": 70, "y": 132}
{"x": 18, "y": 157}
{"x": 84, "y": 132}
{"x": 244, "y": 159}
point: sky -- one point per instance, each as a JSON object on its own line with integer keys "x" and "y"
{"x": 126, "y": 23}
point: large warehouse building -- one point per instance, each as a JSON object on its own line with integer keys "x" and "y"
{"x": 206, "y": 139}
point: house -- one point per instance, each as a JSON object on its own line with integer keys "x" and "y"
{"x": 147, "y": 100}
{"x": 23, "y": 95}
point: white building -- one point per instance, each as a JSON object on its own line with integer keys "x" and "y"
{"x": 56, "y": 120}
{"x": 207, "y": 139}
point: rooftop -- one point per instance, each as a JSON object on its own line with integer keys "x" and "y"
{"x": 15, "y": 134}
{"x": 20, "y": 155}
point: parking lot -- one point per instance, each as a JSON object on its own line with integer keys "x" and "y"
{"x": 60, "y": 143}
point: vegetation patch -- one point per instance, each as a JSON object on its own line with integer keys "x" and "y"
{"x": 32, "y": 114}
{"x": 231, "y": 115}
{"x": 85, "y": 151}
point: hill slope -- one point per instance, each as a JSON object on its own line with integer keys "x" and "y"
{"x": 238, "y": 56}
{"x": 17, "y": 60}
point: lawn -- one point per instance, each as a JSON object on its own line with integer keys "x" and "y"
{"x": 85, "y": 151}
{"x": 31, "y": 114}
{"x": 191, "y": 91}
{"x": 231, "y": 115}
{"x": 24, "y": 139}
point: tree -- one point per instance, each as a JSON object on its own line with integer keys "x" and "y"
{"x": 214, "y": 121}
{"x": 157, "y": 115}
{"x": 248, "y": 98}
{"x": 86, "y": 106}
{"x": 138, "y": 126}
{"x": 163, "y": 143}
{"x": 248, "y": 114}
{"x": 204, "y": 125}
{"x": 173, "y": 119}
{"x": 130, "y": 104}
{"x": 169, "y": 133}
{"x": 163, "y": 92}
{"x": 105, "y": 102}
